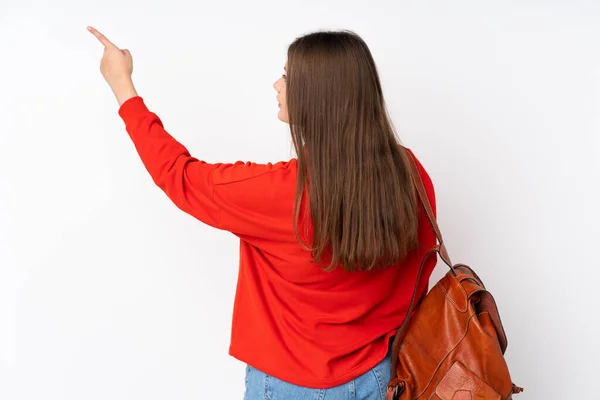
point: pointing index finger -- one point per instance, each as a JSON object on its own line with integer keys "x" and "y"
{"x": 101, "y": 37}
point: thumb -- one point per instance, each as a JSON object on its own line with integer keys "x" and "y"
{"x": 126, "y": 52}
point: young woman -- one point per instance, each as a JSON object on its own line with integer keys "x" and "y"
{"x": 331, "y": 241}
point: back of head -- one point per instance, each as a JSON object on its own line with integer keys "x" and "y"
{"x": 361, "y": 197}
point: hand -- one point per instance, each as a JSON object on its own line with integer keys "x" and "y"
{"x": 116, "y": 67}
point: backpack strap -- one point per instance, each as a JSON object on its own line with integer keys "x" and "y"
{"x": 438, "y": 248}
{"x": 424, "y": 199}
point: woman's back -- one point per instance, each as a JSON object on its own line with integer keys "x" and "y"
{"x": 294, "y": 320}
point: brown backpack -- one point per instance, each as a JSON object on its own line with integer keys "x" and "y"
{"x": 453, "y": 347}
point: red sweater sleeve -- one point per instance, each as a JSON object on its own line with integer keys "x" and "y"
{"x": 240, "y": 197}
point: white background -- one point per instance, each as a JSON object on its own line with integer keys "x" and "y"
{"x": 108, "y": 291}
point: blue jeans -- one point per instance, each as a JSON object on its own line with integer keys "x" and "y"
{"x": 371, "y": 385}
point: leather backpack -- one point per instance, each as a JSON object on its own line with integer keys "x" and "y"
{"x": 452, "y": 347}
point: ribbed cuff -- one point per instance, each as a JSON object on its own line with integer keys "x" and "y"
{"x": 132, "y": 107}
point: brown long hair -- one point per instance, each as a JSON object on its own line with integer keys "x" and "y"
{"x": 361, "y": 197}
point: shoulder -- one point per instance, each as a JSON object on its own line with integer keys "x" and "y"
{"x": 422, "y": 171}
{"x": 425, "y": 178}
{"x": 241, "y": 171}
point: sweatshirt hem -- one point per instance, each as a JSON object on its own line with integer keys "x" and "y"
{"x": 317, "y": 383}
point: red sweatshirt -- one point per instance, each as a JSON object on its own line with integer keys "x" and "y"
{"x": 291, "y": 319}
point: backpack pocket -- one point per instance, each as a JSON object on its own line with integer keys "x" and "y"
{"x": 460, "y": 383}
